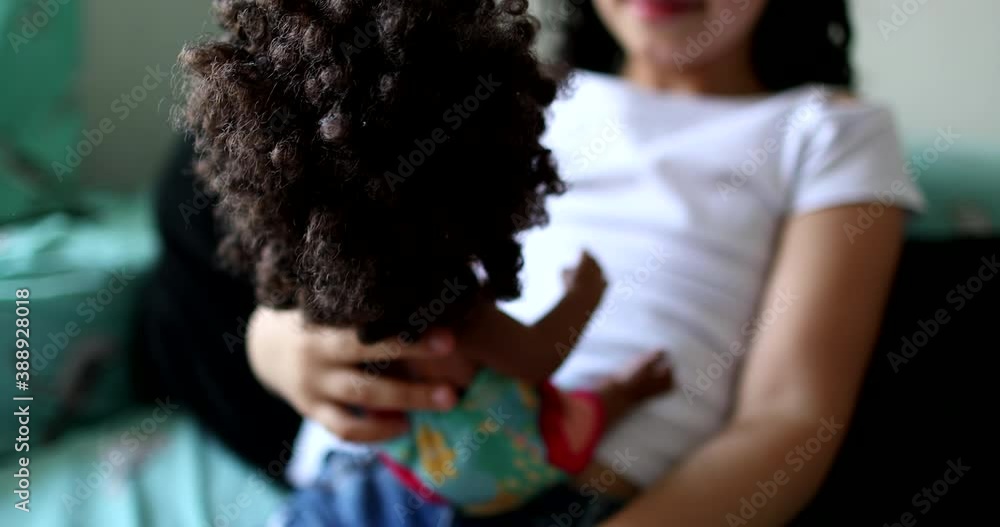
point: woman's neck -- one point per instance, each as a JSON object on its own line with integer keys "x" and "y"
{"x": 729, "y": 75}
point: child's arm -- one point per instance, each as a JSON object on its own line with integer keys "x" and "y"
{"x": 533, "y": 353}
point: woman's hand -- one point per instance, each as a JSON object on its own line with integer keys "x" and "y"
{"x": 327, "y": 375}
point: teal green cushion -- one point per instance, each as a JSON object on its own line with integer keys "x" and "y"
{"x": 85, "y": 277}
{"x": 962, "y": 185}
{"x": 149, "y": 467}
{"x": 39, "y": 118}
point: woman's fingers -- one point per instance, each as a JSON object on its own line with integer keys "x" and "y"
{"x": 324, "y": 372}
{"x": 343, "y": 347}
{"x": 371, "y": 390}
{"x": 358, "y": 428}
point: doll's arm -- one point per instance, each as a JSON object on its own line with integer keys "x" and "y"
{"x": 533, "y": 353}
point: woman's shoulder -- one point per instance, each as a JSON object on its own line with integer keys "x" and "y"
{"x": 817, "y": 120}
{"x": 804, "y": 105}
{"x": 814, "y": 106}
{"x": 841, "y": 149}
{"x": 581, "y": 87}
{"x": 587, "y": 105}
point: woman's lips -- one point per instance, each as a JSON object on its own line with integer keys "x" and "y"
{"x": 657, "y": 10}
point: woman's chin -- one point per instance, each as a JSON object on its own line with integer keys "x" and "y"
{"x": 672, "y": 52}
{"x": 667, "y": 39}
{"x": 659, "y": 12}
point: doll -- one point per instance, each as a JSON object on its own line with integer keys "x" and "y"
{"x": 375, "y": 162}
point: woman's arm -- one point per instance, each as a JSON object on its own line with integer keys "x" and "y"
{"x": 799, "y": 386}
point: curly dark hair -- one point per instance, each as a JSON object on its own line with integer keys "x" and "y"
{"x": 368, "y": 154}
{"x": 794, "y": 43}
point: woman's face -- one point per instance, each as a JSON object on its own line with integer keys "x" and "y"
{"x": 679, "y": 33}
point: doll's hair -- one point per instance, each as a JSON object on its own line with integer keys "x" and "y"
{"x": 367, "y": 154}
{"x": 794, "y": 43}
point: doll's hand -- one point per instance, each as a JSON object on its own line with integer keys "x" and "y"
{"x": 586, "y": 278}
{"x": 585, "y": 286}
{"x": 533, "y": 353}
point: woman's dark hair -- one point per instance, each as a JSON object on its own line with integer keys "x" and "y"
{"x": 368, "y": 155}
{"x": 795, "y": 42}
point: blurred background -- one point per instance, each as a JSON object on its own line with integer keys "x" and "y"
{"x": 936, "y": 70}
{"x": 85, "y": 131}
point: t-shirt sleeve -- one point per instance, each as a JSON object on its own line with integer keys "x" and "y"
{"x": 848, "y": 153}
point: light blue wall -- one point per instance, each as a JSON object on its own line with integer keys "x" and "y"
{"x": 940, "y": 68}
{"x": 936, "y": 62}
{"x": 122, "y": 39}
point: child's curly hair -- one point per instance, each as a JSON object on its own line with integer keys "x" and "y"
{"x": 367, "y": 152}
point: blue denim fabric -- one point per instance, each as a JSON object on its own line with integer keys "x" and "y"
{"x": 356, "y": 490}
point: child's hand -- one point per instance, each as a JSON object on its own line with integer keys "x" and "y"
{"x": 328, "y": 375}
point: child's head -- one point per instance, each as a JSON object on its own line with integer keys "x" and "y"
{"x": 368, "y": 153}
{"x": 788, "y": 42}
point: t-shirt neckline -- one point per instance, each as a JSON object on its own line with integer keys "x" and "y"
{"x": 617, "y": 83}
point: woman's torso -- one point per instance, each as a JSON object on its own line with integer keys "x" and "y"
{"x": 680, "y": 200}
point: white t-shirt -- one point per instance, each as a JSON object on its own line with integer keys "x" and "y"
{"x": 680, "y": 199}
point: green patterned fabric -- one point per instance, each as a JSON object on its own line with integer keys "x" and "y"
{"x": 487, "y": 455}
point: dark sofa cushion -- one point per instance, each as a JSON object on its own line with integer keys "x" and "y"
{"x": 920, "y": 405}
